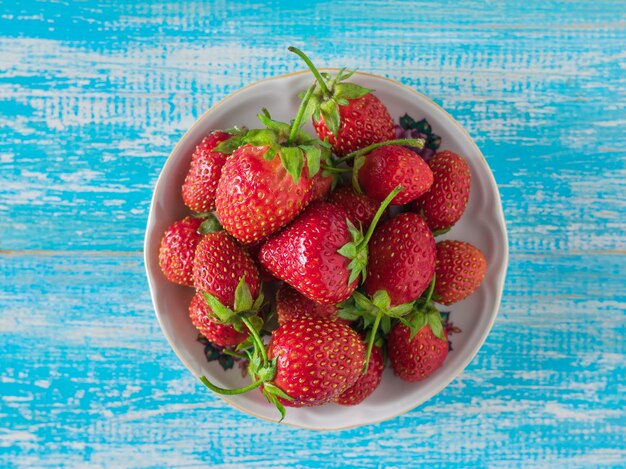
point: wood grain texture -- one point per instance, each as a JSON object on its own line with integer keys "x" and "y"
{"x": 93, "y": 97}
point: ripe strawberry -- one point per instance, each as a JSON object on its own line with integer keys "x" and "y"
{"x": 389, "y": 166}
{"x": 177, "y": 250}
{"x": 415, "y": 358}
{"x": 316, "y": 360}
{"x": 348, "y": 116}
{"x": 401, "y": 258}
{"x": 291, "y": 305}
{"x": 320, "y": 254}
{"x": 443, "y": 205}
{"x": 209, "y": 325}
{"x": 367, "y": 383}
{"x": 359, "y": 207}
{"x": 204, "y": 173}
{"x": 305, "y": 254}
{"x": 220, "y": 264}
{"x": 363, "y": 121}
{"x": 460, "y": 270}
{"x": 256, "y": 197}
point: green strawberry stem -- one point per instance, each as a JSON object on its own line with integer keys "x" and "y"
{"x": 257, "y": 338}
{"x": 370, "y": 339}
{"x": 379, "y": 213}
{"x": 314, "y": 70}
{"x": 356, "y": 250}
{"x": 333, "y": 169}
{"x": 234, "y": 354}
{"x": 295, "y": 125}
{"x": 229, "y": 392}
{"x": 412, "y": 142}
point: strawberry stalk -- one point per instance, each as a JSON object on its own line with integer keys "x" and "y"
{"x": 229, "y": 392}
{"x": 297, "y": 122}
{"x": 313, "y": 69}
{"x": 356, "y": 250}
{"x": 410, "y": 142}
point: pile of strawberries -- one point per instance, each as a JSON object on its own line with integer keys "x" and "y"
{"x": 324, "y": 243}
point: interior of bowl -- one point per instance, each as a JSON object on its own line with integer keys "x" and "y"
{"x": 481, "y": 225}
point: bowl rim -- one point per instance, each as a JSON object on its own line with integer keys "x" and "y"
{"x": 500, "y": 218}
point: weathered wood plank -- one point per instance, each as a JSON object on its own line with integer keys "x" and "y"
{"x": 90, "y": 109}
{"x": 88, "y": 378}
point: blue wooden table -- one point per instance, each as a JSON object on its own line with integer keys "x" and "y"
{"x": 93, "y": 97}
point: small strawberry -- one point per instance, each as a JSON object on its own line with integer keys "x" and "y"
{"x": 291, "y": 305}
{"x": 267, "y": 181}
{"x": 204, "y": 173}
{"x": 417, "y": 351}
{"x": 367, "y": 383}
{"x": 177, "y": 250}
{"x": 209, "y": 325}
{"x": 389, "y": 166}
{"x": 359, "y": 207}
{"x": 443, "y": 205}
{"x": 316, "y": 360}
{"x": 320, "y": 254}
{"x": 401, "y": 258}
{"x": 219, "y": 265}
{"x": 460, "y": 269}
{"x": 348, "y": 116}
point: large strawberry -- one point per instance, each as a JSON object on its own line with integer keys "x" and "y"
{"x": 460, "y": 270}
{"x": 417, "y": 350}
{"x": 345, "y": 114}
{"x": 316, "y": 360}
{"x": 389, "y": 166}
{"x": 401, "y": 258}
{"x": 443, "y": 205}
{"x": 359, "y": 207}
{"x": 177, "y": 250}
{"x": 367, "y": 383}
{"x": 308, "y": 362}
{"x": 321, "y": 254}
{"x": 267, "y": 181}
{"x": 290, "y": 305}
{"x": 204, "y": 173}
{"x": 211, "y": 327}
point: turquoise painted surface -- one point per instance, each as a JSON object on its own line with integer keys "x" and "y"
{"x": 94, "y": 96}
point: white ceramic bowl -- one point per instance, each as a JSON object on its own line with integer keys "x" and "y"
{"x": 482, "y": 225}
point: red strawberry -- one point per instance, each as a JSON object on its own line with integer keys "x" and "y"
{"x": 359, "y": 207}
{"x": 460, "y": 270}
{"x": 177, "y": 251}
{"x": 219, "y": 266}
{"x": 316, "y": 360}
{"x": 363, "y": 121}
{"x": 416, "y": 358}
{"x": 291, "y": 305}
{"x": 386, "y": 167}
{"x": 256, "y": 196}
{"x": 401, "y": 258}
{"x": 207, "y": 323}
{"x": 367, "y": 383}
{"x": 204, "y": 173}
{"x": 445, "y": 202}
{"x": 305, "y": 254}
{"x": 348, "y": 116}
